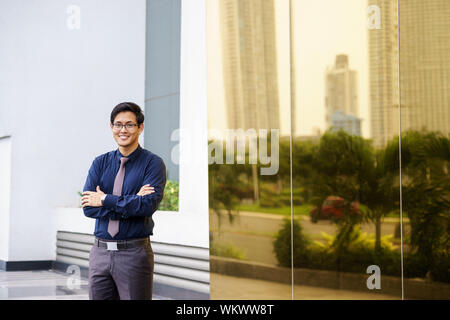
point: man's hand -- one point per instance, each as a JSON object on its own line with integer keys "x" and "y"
{"x": 92, "y": 198}
{"x": 145, "y": 190}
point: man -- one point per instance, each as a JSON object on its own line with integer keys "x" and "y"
{"x": 123, "y": 189}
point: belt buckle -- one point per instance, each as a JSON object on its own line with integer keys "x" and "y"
{"x": 111, "y": 246}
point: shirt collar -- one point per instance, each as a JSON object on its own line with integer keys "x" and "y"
{"x": 131, "y": 156}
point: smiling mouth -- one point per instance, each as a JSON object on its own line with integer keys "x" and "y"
{"x": 123, "y": 137}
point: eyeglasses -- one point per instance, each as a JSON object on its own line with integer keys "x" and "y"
{"x": 129, "y": 126}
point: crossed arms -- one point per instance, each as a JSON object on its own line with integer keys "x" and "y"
{"x": 144, "y": 203}
{"x": 93, "y": 198}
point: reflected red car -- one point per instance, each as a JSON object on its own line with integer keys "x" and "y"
{"x": 333, "y": 208}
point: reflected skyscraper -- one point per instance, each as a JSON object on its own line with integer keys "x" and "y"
{"x": 424, "y": 68}
{"x": 425, "y": 65}
{"x": 383, "y": 73}
{"x": 341, "y": 86}
{"x": 250, "y": 64}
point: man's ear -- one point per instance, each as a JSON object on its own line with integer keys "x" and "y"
{"x": 141, "y": 128}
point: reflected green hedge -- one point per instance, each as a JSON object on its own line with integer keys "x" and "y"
{"x": 355, "y": 258}
{"x": 170, "y": 199}
{"x": 226, "y": 250}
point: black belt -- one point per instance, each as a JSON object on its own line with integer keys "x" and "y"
{"x": 121, "y": 244}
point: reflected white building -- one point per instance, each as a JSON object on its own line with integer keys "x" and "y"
{"x": 341, "y": 89}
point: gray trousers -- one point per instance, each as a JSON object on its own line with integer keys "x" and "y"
{"x": 121, "y": 275}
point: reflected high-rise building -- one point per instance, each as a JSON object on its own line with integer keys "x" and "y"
{"x": 424, "y": 68}
{"x": 250, "y": 64}
{"x": 425, "y": 65}
{"x": 341, "y": 86}
{"x": 383, "y": 73}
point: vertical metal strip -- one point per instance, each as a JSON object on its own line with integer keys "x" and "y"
{"x": 400, "y": 149}
{"x": 290, "y": 148}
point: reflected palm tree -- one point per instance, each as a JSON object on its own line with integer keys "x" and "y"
{"x": 426, "y": 195}
{"x": 383, "y": 192}
{"x": 425, "y": 192}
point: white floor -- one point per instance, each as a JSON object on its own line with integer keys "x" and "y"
{"x": 44, "y": 285}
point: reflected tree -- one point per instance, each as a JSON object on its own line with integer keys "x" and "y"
{"x": 343, "y": 162}
{"x": 426, "y": 197}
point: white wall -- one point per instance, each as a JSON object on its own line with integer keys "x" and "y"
{"x": 61, "y": 87}
{"x": 5, "y": 182}
{"x": 57, "y": 89}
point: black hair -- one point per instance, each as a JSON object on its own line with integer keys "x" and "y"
{"x": 128, "y": 106}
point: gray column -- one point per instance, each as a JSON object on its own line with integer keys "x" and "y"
{"x": 162, "y": 79}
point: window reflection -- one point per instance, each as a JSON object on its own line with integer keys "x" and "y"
{"x": 248, "y": 95}
{"x": 346, "y": 182}
{"x": 425, "y": 120}
{"x": 356, "y": 97}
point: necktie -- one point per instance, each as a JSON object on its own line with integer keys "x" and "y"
{"x": 113, "y": 225}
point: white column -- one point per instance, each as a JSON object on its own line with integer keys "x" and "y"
{"x": 5, "y": 194}
{"x": 190, "y": 225}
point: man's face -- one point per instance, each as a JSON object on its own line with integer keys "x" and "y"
{"x": 124, "y": 136}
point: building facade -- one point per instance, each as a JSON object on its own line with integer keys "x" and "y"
{"x": 67, "y": 66}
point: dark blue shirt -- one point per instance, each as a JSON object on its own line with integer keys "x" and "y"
{"x": 135, "y": 212}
